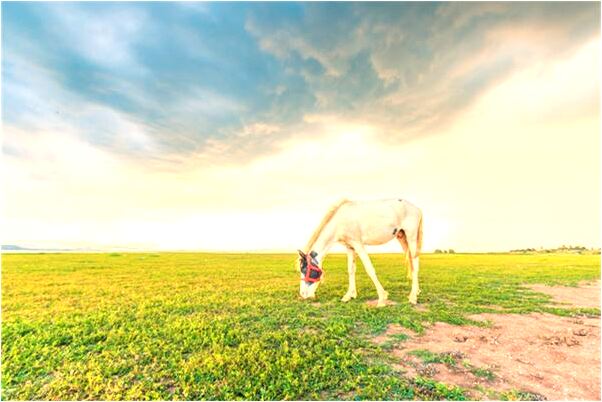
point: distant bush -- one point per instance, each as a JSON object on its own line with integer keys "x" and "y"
{"x": 561, "y": 249}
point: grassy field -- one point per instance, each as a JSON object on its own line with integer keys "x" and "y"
{"x": 230, "y": 326}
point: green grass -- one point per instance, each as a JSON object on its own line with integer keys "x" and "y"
{"x": 429, "y": 357}
{"x": 483, "y": 373}
{"x": 393, "y": 341}
{"x": 520, "y": 396}
{"x": 230, "y": 326}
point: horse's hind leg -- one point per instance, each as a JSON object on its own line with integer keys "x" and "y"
{"x": 351, "y": 291}
{"x": 401, "y": 237}
{"x": 414, "y": 252}
{"x": 361, "y": 252}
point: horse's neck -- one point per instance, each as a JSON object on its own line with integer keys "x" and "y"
{"x": 324, "y": 241}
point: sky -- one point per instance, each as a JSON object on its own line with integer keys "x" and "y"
{"x": 235, "y": 126}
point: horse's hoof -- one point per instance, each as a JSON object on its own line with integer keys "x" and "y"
{"x": 413, "y": 300}
{"x": 347, "y": 297}
{"x": 381, "y": 303}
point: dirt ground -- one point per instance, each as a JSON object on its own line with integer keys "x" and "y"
{"x": 586, "y": 295}
{"x": 551, "y": 357}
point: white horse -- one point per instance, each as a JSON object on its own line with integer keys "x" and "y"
{"x": 355, "y": 224}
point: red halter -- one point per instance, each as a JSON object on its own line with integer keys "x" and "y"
{"x": 311, "y": 267}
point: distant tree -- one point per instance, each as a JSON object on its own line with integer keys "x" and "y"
{"x": 451, "y": 251}
{"x": 438, "y": 251}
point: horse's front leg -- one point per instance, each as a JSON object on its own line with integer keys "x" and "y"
{"x": 382, "y": 294}
{"x": 351, "y": 291}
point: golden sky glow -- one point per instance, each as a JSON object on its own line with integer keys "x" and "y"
{"x": 518, "y": 166}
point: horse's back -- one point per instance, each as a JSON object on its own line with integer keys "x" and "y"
{"x": 388, "y": 208}
{"x": 375, "y": 222}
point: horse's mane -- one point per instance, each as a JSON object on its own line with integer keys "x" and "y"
{"x": 324, "y": 222}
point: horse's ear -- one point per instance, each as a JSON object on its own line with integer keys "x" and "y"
{"x": 301, "y": 253}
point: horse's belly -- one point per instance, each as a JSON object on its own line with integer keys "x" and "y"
{"x": 379, "y": 230}
{"x": 376, "y": 237}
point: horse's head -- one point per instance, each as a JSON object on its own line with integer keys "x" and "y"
{"x": 310, "y": 272}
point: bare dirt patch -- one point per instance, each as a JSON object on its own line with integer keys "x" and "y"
{"x": 586, "y": 295}
{"x": 549, "y": 356}
{"x": 557, "y": 357}
{"x": 459, "y": 375}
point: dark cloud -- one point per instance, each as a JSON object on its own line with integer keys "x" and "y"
{"x": 413, "y": 67}
{"x": 189, "y": 75}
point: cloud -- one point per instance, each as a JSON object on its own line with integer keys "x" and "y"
{"x": 103, "y": 35}
{"x": 412, "y": 67}
{"x": 167, "y": 81}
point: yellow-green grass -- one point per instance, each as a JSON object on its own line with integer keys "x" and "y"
{"x": 230, "y": 326}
